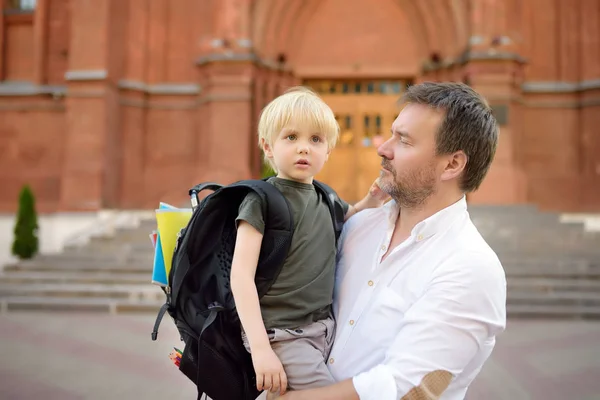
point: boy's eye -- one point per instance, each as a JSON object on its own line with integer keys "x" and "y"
{"x": 291, "y": 137}
{"x": 316, "y": 139}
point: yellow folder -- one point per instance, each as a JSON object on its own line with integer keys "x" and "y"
{"x": 169, "y": 223}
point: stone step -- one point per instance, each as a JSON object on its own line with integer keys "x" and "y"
{"x": 552, "y": 284}
{"x": 536, "y": 238}
{"x": 106, "y": 305}
{"x": 557, "y": 263}
{"x": 508, "y": 227}
{"x": 81, "y": 290}
{"x": 117, "y": 268}
{"x": 83, "y": 257}
{"x": 545, "y": 272}
{"x": 555, "y": 250}
{"x": 111, "y": 247}
{"x": 552, "y": 311}
{"x": 554, "y": 298}
{"x": 73, "y": 277}
{"x": 515, "y": 211}
{"x": 575, "y": 241}
{"x": 141, "y": 237}
{"x": 482, "y": 218}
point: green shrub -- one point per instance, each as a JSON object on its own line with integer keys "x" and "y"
{"x": 25, "y": 244}
{"x": 267, "y": 171}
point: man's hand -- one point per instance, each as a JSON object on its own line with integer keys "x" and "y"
{"x": 269, "y": 371}
{"x": 343, "y": 390}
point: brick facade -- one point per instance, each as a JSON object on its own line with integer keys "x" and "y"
{"x": 124, "y": 103}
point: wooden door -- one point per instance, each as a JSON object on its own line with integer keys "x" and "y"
{"x": 365, "y": 110}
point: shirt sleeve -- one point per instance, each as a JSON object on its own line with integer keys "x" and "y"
{"x": 251, "y": 211}
{"x": 463, "y": 308}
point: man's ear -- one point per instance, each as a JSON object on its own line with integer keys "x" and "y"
{"x": 455, "y": 165}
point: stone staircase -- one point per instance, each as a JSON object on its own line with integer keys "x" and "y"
{"x": 108, "y": 274}
{"x": 552, "y": 268}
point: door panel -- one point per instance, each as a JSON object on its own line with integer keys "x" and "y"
{"x": 365, "y": 110}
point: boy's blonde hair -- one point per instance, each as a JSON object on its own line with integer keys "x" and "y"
{"x": 303, "y": 108}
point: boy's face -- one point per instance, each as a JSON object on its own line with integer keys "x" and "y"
{"x": 298, "y": 153}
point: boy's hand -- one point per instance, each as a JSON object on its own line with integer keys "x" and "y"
{"x": 375, "y": 197}
{"x": 269, "y": 371}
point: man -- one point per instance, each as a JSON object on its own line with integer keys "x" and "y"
{"x": 419, "y": 294}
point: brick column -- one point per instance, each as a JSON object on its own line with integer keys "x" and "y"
{"x": 226, "y": 104}
{"x": 589, "y": 118}
{"x": 496, "y": 75}
{"x": 258, "y": 103}
{"x": 40, "y": 41}
{"x": 90, "y": 166}
{"x": 2, "y": 36}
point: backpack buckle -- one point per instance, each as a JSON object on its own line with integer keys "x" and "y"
{"x": 216, "y": 307}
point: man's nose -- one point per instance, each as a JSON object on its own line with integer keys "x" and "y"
{"x": 384, "y": 150}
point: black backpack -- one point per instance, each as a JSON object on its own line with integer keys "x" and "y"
{"x": 199, "y": 297}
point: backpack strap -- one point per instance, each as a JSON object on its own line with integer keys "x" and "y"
{"x": 279, "y": 229}
{"x": 335, "y": 207}
{"x": 193, "y": 192}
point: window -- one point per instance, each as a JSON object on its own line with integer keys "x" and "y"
{"x": 363, "y": 87}
{"x": 25, "y": 5}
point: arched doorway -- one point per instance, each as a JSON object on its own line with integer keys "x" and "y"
{"x": 359, "y": 58}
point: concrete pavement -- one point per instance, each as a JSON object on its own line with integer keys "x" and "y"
{"x": 91, "y": 356}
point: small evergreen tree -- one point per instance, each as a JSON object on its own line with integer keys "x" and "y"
{"x": 26, "y": 240}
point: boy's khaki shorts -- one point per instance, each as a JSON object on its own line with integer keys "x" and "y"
{"x": 303, "y": 352}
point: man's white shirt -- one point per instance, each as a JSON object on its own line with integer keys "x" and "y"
{"x": 432, "y": 307}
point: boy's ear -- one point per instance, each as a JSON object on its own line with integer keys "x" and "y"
{"x": 266, "y": 148}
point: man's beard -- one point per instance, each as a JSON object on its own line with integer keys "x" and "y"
{"x": 413, "y": 188}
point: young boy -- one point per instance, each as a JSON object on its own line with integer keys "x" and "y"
{"x": 289, "y": 332}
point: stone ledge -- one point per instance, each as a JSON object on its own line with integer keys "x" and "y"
{"x": 560, "y": 87}
{"x": 18, "y": 88}
{"x": 86, "y": 75}
{"x": 161, "y": 88}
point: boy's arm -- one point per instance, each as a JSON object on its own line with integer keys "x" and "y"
{"x": 243, "y": 270}
{"x": 270, "y": 374}
{"x": 375, "y": 198}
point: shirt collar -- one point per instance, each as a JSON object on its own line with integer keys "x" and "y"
{"x": 433, "y": 224}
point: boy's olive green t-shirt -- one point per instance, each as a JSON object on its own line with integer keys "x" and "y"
{"x": 303, "y": 291}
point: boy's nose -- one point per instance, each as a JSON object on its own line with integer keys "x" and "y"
{"x": 302, "y": 149}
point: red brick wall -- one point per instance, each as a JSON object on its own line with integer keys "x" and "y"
{"x": 131, "y": 147}
{"x": 18, "y": 48}
{"x": 58, "y": 41}
{"x": 31, "y": 150}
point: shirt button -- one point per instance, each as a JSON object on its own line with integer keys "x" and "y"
{"x": 331, "y": 360}
{"x": 351, "y": 322}
{"x": 420, "y": 237}
{"x": 383, "y": 247}
{"x": 370, "y": 283}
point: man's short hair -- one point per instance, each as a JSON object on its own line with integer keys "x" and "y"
{"x": 468, "y": 125}
{"x": 301, "y": 107}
